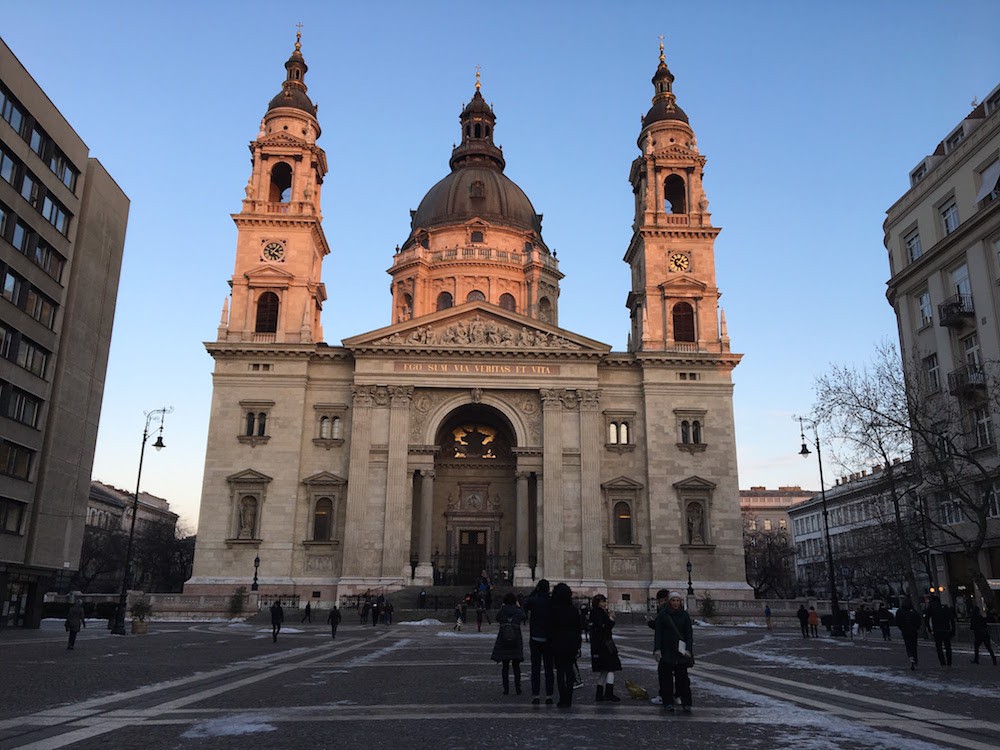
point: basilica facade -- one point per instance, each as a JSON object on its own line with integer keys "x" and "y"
{"x": 473, "y": 432}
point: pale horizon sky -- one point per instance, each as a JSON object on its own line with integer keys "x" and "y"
{"x": 811, "y": 117}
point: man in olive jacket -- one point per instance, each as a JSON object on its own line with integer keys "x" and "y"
{"x": 672, "y": 625}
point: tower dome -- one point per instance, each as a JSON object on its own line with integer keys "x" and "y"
{"x": 664, "y": 102}
{"x": 293, "y": 90}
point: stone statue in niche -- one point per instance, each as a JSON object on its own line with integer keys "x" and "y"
{"x": 248, "y": 518}
{"x": 696, "y": 524}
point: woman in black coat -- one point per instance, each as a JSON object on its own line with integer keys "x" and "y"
{"x": 509, "y": 646}
{"x": 603, "y": 651}
{"x": 564, "y": 640}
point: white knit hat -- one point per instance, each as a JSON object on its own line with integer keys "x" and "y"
{"x": 675, "y": 595}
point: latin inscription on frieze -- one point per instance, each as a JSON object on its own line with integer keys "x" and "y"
{"x": 457, "y": 368}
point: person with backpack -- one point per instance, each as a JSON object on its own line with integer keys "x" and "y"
{"x": 980, "y": 634}
{"x": 509, "y": 647}
{"x": 603, "y": 652}
{"x": 908, "y": 621}
{"x": 536, "y": 607}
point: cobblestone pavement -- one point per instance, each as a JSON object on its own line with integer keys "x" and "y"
{"x": 189, "y": 685}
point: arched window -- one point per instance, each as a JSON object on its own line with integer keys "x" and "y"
{"x": 674, "y": 198}
{"x": 623, "y": 433}
{"x": 337, "y": 434}
{"x": 696, "y": 432}
{"x": 623, "y": 523}
{"x": 683, "y": 322}
{"x": 545, "y": 310}
{"x": 405, "y": 308}
{"x": 323, "y": 520}
{"x": 444, "y": 301}
{"x": 251, "y": 422}
{"x": 475, "y": 296}
{"x": 281, "y": 183}
{"x": 325, "y": 428}
{"x": 262, "y": 424}
{"x": 507, "y": 302}
{"x": 685, "y": 431}
{"x": 267, "y": 313}
{"x": 477, "y": 236}
{"x": 479, "y": 130}
{"x": 613, "y": 433}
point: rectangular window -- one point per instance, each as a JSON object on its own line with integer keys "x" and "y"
{"x": 7, "y": 166}
{"x": 991, "y": 497}
{"x": 950, "y": 513}
{"x": 6, "y": 341}
{"x": 767, "y": 524}
{"x": 984, "y": 426}
{"x": 23, "y": 407}
{"x": 48, "y": 260}
{"x": 37, "y": 140}
{"x": 32, "y": 357}
{"x": 19, "y": 237}
{"x": 54, "y": 213}
{"x": 10, "y": 111}
{"x": 4, "y": 213}
{"x": 933, "y": 373}
{"x": 913, "y": 248}
{"x": 970, "y": 346}
{"x": 953, "y": 140}
{"x": 11, "y": 515}
{"x": 12, "y": 284}
{"x": 949, "y": 217}
{"x": 40, "y": 307}
{"x": 15, "y": 460}
{"x": 926, "y": 310}
{"x": 29, "y": 190}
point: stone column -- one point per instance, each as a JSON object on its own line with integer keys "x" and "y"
{"x": 591, "y": 509}
{"x": 357, "y": 545}
{"x": 399, "y": 489}
{"x": 522, "y": 572}
{"x": 552, "y": 546}
{"x": 425, "y": 570}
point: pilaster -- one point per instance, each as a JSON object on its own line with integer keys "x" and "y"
{"x": 357, "y": 549}
{"x": 590, "y": 489}
{"x": 551, "y": 521}
{"x": 399, "y": 492}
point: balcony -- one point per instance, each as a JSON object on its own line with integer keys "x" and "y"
{"x": 967, "y": 380}
{"x": 956, "y": 310}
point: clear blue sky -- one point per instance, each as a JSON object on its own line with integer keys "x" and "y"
{"x": 810, "y": 114}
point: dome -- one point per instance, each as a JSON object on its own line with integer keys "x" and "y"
{"x": 471, "y": 191}
{"x": 663, "y": 110}
{"x": 295, "y": 98}
{"x": 293, "y": 90}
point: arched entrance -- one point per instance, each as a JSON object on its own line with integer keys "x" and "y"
{"x": 474, "y": 496}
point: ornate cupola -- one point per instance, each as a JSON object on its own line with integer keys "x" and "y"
{"x": 277, "y": 294}
{"x": 674, "y": 299}
{"x": 475, "y": 236}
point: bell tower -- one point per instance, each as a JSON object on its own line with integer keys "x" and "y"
{"x": 277, "y": 294}
{"x": 674, "y": 302}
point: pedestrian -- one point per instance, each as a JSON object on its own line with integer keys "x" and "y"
{"x": 536, "y": 608}
{"x": 908, "y": 622}
{"x": 813, "y": 622}
{"x": 333, "y": 620}
{"x": 422, "y": 599}
{"x": 363, "y": 612}
{"x": 884, "y": 619}
{"x": 509, "y": 646}
{"x": 803, "y": 615}
{"x": 564, "y": 640}
{"x": 458, "y": 616}
{"x": 75, "y": 620}
{"x": 480, "y": 611}
{"x": 942, "y": 623}
{"x": 388, "y": 610}
{"x": 767, "y": 616}
{"x": 277, "y": 617}
{"x": 603, "y": 651}
{"x": 585, "y": 621}
{"x": 376, "y": 612}
{"x": 307, "y": 616}
{"x": 980, "y": 634}
{"x": 673, "y": 649}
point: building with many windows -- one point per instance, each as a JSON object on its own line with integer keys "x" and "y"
{"x": 472, "y": 432}
{"x": 767, "y": 510}
{"x": 62, "y": 233}
{"x": 943, "y": 242}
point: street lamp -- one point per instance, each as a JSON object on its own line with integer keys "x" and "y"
{"x": 151, "y": 416}
{"x": 690, "y": 591}
{"x": 838, "y": 628}
{"x": 256, "y": 564}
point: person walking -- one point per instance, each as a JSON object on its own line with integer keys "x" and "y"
{"x": 604, "y": 657}
{"x": 363, "y": 612}
{"x": 277, "y": 617}
{"x": 480, "y": 611}
{"x": 75, "y": 620}
{"x": 376, "y": 611}
{"x": 803, "y": 615}
{"x": 564, "y": 641}
{"x": 767, "y": 616}
{"x": 884, "y": 619}
{"x": 942, "y": 623}
{"x": 509, "y": 646}
{"x": 813, "y": 622}
{"x": 333, "y": 620}
{"x": 673, "y": 641}
{"x": 307, "y": 615}
{"x": 458, "y": 617}
{"x": 908, "y": 622}
{"x": 980, "y": 634}
{"x": 536, "y": 608}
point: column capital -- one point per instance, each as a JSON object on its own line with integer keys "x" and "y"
{"x": 427, "y": 473}
{"x": 525, "y": 475}
{"x": 401, "y": 395}
{"x": 551, "y": 398}
{"x": 364, "y": 395}
{"x": 589, "y": 400}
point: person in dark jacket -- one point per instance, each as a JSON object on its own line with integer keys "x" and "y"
{"x": 509, "y": 646}
{"x": 603, "y": 651}
{"x": 333, "y": 620}
{"x": 564, "y": 641}
{"x": 536, "y": 608}
{"x": 277, "y": 617}
{"x": 884, "y": 619}
{"x": 672, "y": 631}
{"x": 980, "y": 634}
{"x": 942, "y": 623}
{"x": 75, "y": 620}
{"x": 803, "y": 615}
{"x": 307, "y": 614}
{"x": 908, "y": 622}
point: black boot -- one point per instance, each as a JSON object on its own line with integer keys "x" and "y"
{"x": 600, "y": 694}
{"x": 506, "y": 685}
{"x": 609, "y": 694}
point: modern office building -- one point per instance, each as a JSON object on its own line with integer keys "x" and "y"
{"x": 472, "y": 432}
{"x": 943, "y": 241}
{"x": 62, "y": 233}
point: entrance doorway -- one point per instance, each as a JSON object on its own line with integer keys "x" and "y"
{"x": 471, "y": 556}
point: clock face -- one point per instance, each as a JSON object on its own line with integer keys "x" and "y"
{"x": 679, "y": 262}
{"x": 274, "y": 251}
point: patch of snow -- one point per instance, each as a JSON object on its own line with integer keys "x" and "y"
{"x": 425, "y": 621}
{"x": 283, "y": 630}
{"x": 229, "y": 726}
{"x": 465, "y": 634}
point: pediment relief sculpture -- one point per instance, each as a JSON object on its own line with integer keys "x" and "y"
{"x": 478, "y": 331}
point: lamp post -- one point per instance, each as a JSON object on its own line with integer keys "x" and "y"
{"x": 256, "y": 564}
{"x": 690, "y": 591}
{"x": 838, "y": 628}
{"x": 151, "y": 416}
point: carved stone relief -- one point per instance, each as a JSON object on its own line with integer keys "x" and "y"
{"x": 479, "y": 331}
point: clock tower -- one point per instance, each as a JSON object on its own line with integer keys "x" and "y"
{"x": 674, "y": 299}
{"x": 277, "y": 292}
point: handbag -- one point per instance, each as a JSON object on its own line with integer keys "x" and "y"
{"x": 685, "y": 659}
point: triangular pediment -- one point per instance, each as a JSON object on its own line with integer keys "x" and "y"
{"x": 475, "y": 326}
{"x": 248, "y": 476}
{"x": 621, "y": 483}
{"x": 280, "y": 139}
{"x": 324, "y": 478}
{"x": 269, "y": 274}
{"x": 683, "y": 284}
{"x": 695, "y": 483}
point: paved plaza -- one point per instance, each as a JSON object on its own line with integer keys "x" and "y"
{"x": 220, "y": 685}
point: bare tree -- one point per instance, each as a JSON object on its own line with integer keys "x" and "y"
{"x": 770, "y": 561}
